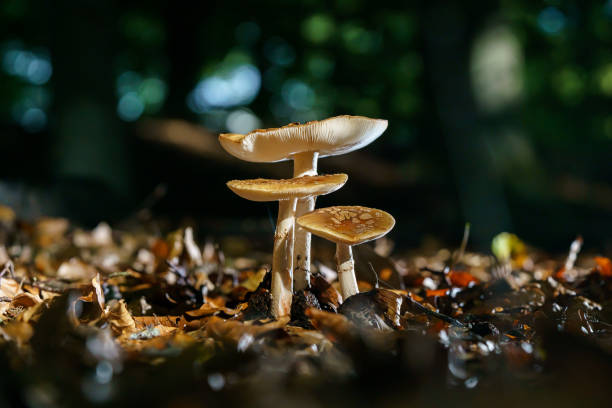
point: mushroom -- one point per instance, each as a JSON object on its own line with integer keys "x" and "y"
{"x": 347, "y": 226}
{"x": 286, "y": 192}
{"x": 304, "y": 144}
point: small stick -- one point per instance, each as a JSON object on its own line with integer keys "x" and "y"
{"x": 434, "y": 271}
{"x": 378, "y": 281}
{"x": 440, "y": 316}
{"x": 459, "y": 254}
{"x": 573, "y": 253}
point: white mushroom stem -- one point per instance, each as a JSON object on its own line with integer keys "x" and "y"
{"x": 304, "y": 164}
{"x": 282, "y": 259}
{"x": 346, "y": 270}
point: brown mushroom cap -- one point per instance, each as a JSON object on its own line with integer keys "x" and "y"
{"x": 349, "y": 225}
{"x": 329, "y": 137}
{"x": 285, "y": 189}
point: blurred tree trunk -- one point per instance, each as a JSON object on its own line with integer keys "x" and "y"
{"x": 90, "y": 147}
{"x": 449, "y": 39}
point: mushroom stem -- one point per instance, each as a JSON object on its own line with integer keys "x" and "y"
{"x": 304, "y": 164}
{"x": 346, "y": 270}
{"x": 282, "y": 259}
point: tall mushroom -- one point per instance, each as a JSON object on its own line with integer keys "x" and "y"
{"x": 286, "y": 192}
{"x": 304, "y": 144}
{"x": 347, "y": 226}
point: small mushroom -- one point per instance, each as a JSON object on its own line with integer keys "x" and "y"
{"x": 286, "y": 192}
{"x": 347, "y": 226}
{"x": 304, "y": 144}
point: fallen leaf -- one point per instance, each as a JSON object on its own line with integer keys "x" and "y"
{"x": 119, "y": 317}
{"x": 436, "y": 292}
{"x": 209, "y": 308}
{"x": 336, "y": 326}
{"x": 75, "y": 270}
{"x": 462, "y": 279}
{"x": 233, "y": 332}
{"x": 604, "y": 266}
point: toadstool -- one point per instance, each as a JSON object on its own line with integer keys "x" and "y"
{"x": 286, "y": 192}
{"x": 304, "y": 144}
{"x": 347, "y": 226}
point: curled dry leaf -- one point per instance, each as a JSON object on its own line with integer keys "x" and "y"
{"x": 119, "y": 317}
{"x": 329, "y": 298}
{"x": 25, "y": 300}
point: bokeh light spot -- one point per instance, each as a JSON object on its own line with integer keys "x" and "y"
{"x": 497, "y": 68}
{"x": 605, "y": 80}
{"x": 569, "y": 85}
{"x": 320, "y": 66}
{"x": 239, "y": 86}
{"x": 551, "y": 20}
{"x": 34, "y": 120}
{"x": 318, "y": 28}
{"x": 128, "y": 81}
{"x": 358, "y": 40}
{"x": 279, "y": 52}
{"x": 34, "y": 68}
{"x": 242, "y": 121}
{"x": 298, "y": 94}
{"x": 153, "y": 92}
{"x": 130, "y": 107}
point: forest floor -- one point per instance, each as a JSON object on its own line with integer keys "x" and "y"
{"x": 111, "y": 317}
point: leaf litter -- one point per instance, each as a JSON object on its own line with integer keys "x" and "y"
{"x": 123, "y": 318}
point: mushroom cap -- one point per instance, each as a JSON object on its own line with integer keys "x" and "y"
{"x": 349, "y": 225}
{"x": 328, "y": 137}
{"x": 285, "y": 189}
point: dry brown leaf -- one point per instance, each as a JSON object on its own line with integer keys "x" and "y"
{"x": 119, "y": 317}
{"x": 175, "y": 244}
{"x": 50, "y": 230}
{"x": 75, "y": 270}
{"x": 326, "y": 293}
{"x": 233, "y": 331}
{"x": 7, "y": 215}
{"x": 100, "y": 236}
{"x": 604, "y": 266}
{"x": 142, "y": 322}
{"x": 8, "y": 290}
{"x": 209, "y": 308}
{"x": 25, "y": 300}
{"x": 254, "y": 279}
{"x": 17, "y": 331}
{"x": 335, "y": 326}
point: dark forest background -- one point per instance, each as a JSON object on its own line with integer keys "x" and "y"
{"x": 499, "y": 112}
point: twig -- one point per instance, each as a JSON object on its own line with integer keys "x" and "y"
{"x": 435, "y": 271}
{"x": 459, "y": 254}
{"x": 378, "y": 281}
{"x": 440, "y": 316}
{"x": 573, "y": 253}
{"x": 8, "y": 267}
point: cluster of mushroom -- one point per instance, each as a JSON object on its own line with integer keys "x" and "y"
{"x": 344, "y": 225}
